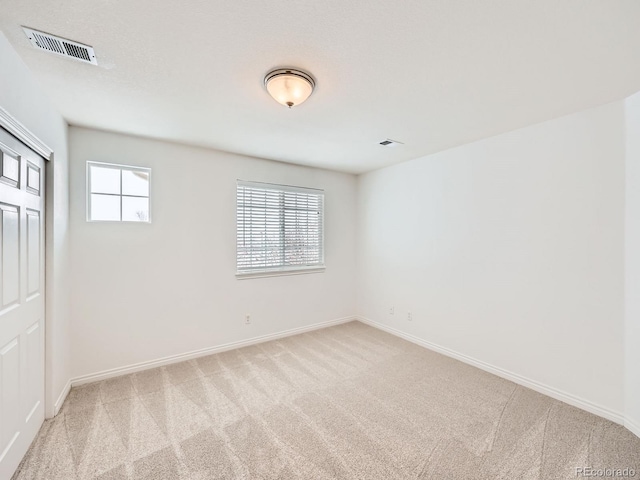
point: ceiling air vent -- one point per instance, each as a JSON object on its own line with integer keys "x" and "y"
{"x": 61, "y": 46}
{"x": 390, "y": 143}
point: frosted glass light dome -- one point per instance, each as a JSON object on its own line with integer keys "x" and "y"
{"x": 289, "y": 87}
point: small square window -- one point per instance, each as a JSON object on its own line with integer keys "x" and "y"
{"x": 117, "y": 193}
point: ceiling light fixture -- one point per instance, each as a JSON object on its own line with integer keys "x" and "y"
{"x": 288, "y": 86}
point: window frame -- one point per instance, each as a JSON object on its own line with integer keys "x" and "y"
{"x": 120, "y": 168}
{"x": 283, "y": 270}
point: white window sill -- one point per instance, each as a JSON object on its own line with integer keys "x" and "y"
{"x": 146, "y": 222}
{"x": 280, "y": 273}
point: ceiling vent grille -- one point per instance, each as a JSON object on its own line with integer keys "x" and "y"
{"x": 61, "y": 46}
{"x": 390, "y": 143}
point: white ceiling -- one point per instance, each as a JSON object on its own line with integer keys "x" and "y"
{"x": 430, "y": 73}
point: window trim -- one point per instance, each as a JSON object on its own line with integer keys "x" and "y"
{"x": 280, "y": 273}
{"x": 120, "y": 168}
{"x": 283, "y": 270}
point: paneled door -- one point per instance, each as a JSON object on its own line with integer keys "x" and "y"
{"x": 21, "y": 300}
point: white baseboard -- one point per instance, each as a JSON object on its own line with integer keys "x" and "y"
{"x": 63, "y": 396}
{"x": 514, "y": 377}
{"x": 632, "y": 426}
{"x": 115, "y": 372}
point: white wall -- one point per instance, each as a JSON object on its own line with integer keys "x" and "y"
{"x": 632, "y": 264}
{"x": 509, "y": 251}
{"x": 147, "y": 291}
{"x": 22, "y": 97}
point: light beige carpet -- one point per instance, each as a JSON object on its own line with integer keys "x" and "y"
{"x": 347, "y": 402}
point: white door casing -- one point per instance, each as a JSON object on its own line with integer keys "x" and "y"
{"x": 22, "y": 302}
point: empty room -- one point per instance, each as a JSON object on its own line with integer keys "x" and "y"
{"x": 319, "y": 240}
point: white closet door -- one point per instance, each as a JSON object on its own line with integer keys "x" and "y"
{"x": 21, "y": 300}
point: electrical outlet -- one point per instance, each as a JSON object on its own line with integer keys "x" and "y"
{"x": 409, "y": 316}
{"x": 247, "y": 319}
{"x": 391, "y": 310}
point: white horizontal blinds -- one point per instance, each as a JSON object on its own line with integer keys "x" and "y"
{"x": 302, "y": 225}
{"x": 259, "y": 232}
{"x": 278, "y": 227}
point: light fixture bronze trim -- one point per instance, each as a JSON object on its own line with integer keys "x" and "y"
{"x": 290, "y": 72}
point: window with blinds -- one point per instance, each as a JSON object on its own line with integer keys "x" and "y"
{"x": 279, "y": 228}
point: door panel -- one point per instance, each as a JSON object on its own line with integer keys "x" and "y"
{"x": 9, "y": 168}
{"x": 33, "y": 252}
{"x": 10, "y": 398}
{"x": 21, "y": 300}
{"x": 34, "y": 367}
{"x": 10, "y": 254}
